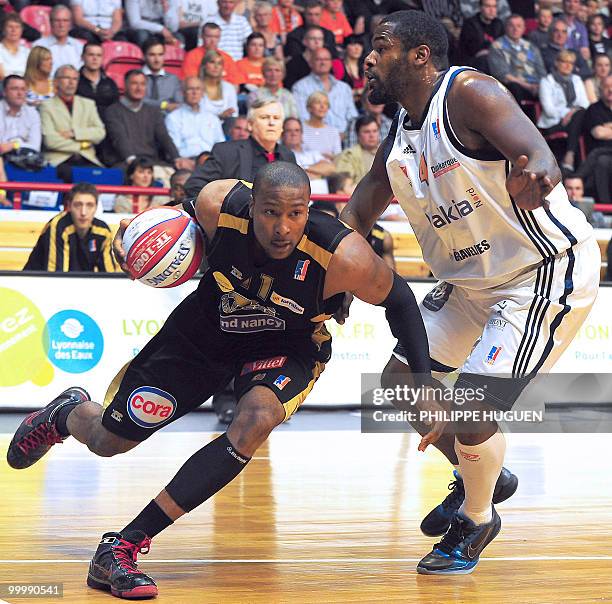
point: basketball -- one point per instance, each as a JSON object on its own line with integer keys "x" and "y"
{"x": 163, "y": 247}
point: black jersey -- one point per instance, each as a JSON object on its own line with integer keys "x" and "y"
{"x": 376, "y": 239}
{"x": 281, "y": 299}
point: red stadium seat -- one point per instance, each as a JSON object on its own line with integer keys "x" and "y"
{"x": 38, "y": 18}
{"x": 173, "y": 54}
{"x": 530, "y": 25}
{"x": 117, "y": 70}
{"x": 172, "y": 68}
{"x": 123, "y": 52}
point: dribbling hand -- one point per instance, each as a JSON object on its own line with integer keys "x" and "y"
{"x": 527, "y": 188}
{"x": 118, "y": 250}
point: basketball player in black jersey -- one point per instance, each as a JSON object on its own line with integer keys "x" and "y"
{"x": 276, "y": 274}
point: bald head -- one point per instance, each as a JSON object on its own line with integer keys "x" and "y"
{"x": 193, "y": 89}
{"x": 321, "y": 62}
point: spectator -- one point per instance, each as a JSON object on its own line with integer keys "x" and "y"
{"x": 334, "y": 19}
{"x": 177, "y": 186}
{"x": 358, "y": 160}
{"x": 139, "y": 174}
{"x": 313, "y": 11}
{"x": 316, "y": 165}
{"x": 598, "y": 42}
{"x": 38, "y": 76}
{"x": 601, "y": 70}
{"x": 272, "y": 89}
{"x": 138, "y": 130}
{"x": 299, "y": 65}
{"x": 516, "y": 62}
{"x": 360, "y": 12}
{"x": 163, "y": 88}
{"x": 470, "y": 7}
{"x": 367, "y": 108}
{"x": 564, "y": 100}
{"x": 575, "y": 192}
{"x": 211, "y": 34}
{"x": 192, "y": 128}
{"x": 29, "y": 33}
{"x": 13, "y": 54}
{"x": 557, "y": 42}
{"x": 340, "y": 183}
{"x": 148, "y": 17}
{"x": 65, "y": 50}
{"x": 234, "y": 28}
{"x": 75, "y": 240}
{"x": 239, "y": 130}
{"x": 242, "y": 159}
{"x": 478, "y": 33}
{"x": 596, "y": 170}
{"x": 219, "y": 96}
{"x": 97, "y": 20}
{"x": 342, "y": 107}
{"x": 251, "y": 65}
{"x": 353, "y": 66}
{"x": 71, "y": 126}
{"x": 93, "y": 82}
{"x": 539, "y": 37}
{"x": 262, "y": 16}
{"x": 192, "y": 16}
{"x": 285, "y": 18}
{"x": 317, "y": 135}
{"x": 577, "y": 35}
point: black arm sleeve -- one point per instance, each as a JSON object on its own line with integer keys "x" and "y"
{"x": 406, "y": 323}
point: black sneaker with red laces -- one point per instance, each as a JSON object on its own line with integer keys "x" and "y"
{"x": 38, "y": 433}
{"x": 113, "y": 567}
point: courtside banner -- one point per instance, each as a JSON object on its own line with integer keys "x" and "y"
{"x": 57, "y": 332}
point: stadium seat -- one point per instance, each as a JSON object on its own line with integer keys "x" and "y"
{"x": 38, "y": 18}
{"x": 123, "y": 52}
{"x": 35, "y": 200}
{"x": 174, "y": 54}
{"x": 117, "y": 70}
{"x": 100, "y": 176}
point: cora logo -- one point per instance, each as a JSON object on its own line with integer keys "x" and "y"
{"x": 148, "y": 406}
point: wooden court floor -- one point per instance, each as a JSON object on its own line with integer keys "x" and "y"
{"x": 317, "y": 516}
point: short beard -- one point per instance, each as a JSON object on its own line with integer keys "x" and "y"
{"x": 380, "y": 96}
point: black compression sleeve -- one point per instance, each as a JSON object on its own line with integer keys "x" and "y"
{"x": 406, "y": 323}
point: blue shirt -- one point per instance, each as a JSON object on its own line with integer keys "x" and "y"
{"x": 193, "y": 131}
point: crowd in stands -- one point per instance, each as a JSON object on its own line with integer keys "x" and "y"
{"x": 214, "y": 88}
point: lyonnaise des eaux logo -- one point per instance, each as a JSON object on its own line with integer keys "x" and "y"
{"x": 74, "y": 341}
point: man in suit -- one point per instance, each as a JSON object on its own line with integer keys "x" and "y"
{"x": 71, "y": 126}
{"x": 242, "y": 158}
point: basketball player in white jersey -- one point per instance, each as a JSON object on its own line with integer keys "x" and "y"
{"x": 518, "y": 265}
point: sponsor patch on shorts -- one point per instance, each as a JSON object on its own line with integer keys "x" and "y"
{"x": 263, "y": 364}
{"x": 148, "y": 406}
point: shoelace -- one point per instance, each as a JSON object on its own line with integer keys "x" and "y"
{"x": 126, "y": 554}
{"x": 453, "y": 537}
{"x": 44, "y": 434}
{"x": 456, "y": 495}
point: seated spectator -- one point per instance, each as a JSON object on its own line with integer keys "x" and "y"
{"x": 138, "y": 174}
{"x": 38, "y": 76}
{"x": 341, "y": 105}
{"x": 285, "y": 18}
{"x": 575, "y": 192}
{"x": 478, "y": 33}
{"x": 97, "y": 20}
{"x": 334, "y": 19}
{"x": 563, "y": 99}
{"x": 211, "y": 34}
{"x": 299, "y": 66}
{"x": 65, "y": 50}
{"x": 138, "y": 130}
{"x": 251, "y": 65}
{"x": 243, "y": 158}
{"x": 94, "y": 84}
{"x": 71, "y": 126}
{"x": 273, "y": 73}
{"x": 163, "y": 88}
{"x": 516, "y": 62}
{"x": 368, "y": 108}
{"x": 357, "y": 160}
{"x": 239, "y": 130}
{"x": 313, "y": 11}
{"x": 29, "y": 33}
{"x": 596, "y": 170}
{"x": 262, "y": 17}
{"x": 340, "y": 183}
{"x": 353, "y": 66}
{"x": 192, "y": 128}
{"x": 75, "y": 240}
{"x": 219, "y": 96}
{"x": 148, "y": 17}
{"x": 235, "y": 29}
{"x": 599, "y": 43}
{"x": 13, "y": 53}
{"x": 317, "y": 135}
{"x": 578, "y": 37}
{"x": 601, "y": 70}
{"x": 19, "y": 124}
{"x": 557, "y": 42}
{"x": 192, "y": 16}
{"x": 177, "y": 186}
{"x": 539, "y": 37}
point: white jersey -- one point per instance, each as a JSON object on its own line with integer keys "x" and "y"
{"x": 470, "y": 230}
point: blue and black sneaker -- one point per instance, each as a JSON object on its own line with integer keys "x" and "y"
{"x": 459, "y": 551}
{"x": 438, "y": 520}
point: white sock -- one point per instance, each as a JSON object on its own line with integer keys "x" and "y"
{"x": 480, "y": 466}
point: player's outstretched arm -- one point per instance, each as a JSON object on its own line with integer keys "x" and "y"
{"x": 482, "y": 108}
{"x": 357, "y": 269}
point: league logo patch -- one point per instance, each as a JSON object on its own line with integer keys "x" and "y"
{"x": 93, "y": 245}
{"x": 148, "y": 406}
{"x": 301, "y": 268}
{"x": 281, "y": 381}
{"x": 493, "y": 354}
{"x": 435, "y": 126}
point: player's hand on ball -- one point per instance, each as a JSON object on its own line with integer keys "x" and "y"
{"x": 528, "y": 188}
{"x": 118, "y": 246}
{"x": 341, "y": 315}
